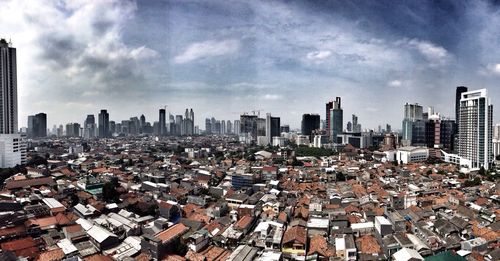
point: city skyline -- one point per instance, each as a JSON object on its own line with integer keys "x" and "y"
{"x": 208, "y": 53}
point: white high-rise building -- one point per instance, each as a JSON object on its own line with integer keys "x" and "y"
{"x": 476, "y": 129}
{"x": 268, "y": 128}
{"x": 13, "y": 150}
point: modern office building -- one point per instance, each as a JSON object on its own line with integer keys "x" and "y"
{"x": 162, "y": 121}
{"x": 476, "y": 128}
{"x": 248, "y": 125}
{"x": 8, "y": 88}
{"x": 310, "y": 122}
{"x": 37, "y": 126}
{"x": 413, "y": 125}
{"x": 103, "y": 124}
{"x": 336, "y": 120}
{"x": 89, "y": 127}
{"x": 208, "y": 126}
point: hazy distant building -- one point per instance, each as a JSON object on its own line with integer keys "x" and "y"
{"x": 142, "y": 124}
{"x": 73, "y": 130}
{"x": 476, "y": 128}
{"x": 37, "y": 126}
{"x": 8, "y": 88}
{"x": 237, "y": 127}
{"x": 248, "y": 125}
{"x": 162, "y": 122}
{"x": 285, "y": 128}
{"x": 223, "y": 127}
{"x": 229, "y": 127}
{"x": 208, "y": 126}
{"x": 89, "y": 127}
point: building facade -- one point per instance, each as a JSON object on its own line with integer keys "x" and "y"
{"x": 476, "y": 128}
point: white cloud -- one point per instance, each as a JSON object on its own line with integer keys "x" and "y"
{"x": 319, "y": 55}
{"x": 201, "y": 50}
{"x": 272, "y": 97}
{"x": 490, "y": 69}
{"x": 395, "y": 83}
{"x": 435, "y": 54}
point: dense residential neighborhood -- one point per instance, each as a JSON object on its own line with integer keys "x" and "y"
{"x": 214, "y": 198}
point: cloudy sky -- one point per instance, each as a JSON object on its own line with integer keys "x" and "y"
{"x": 226, "y": 57}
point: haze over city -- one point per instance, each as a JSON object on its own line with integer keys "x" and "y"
{"x": 223, "y": 58}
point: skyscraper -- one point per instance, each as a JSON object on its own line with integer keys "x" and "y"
{"x": 142, "y": 123}
{"x": 89, "y": 128}
{"x": 413, "y": 124}
{"x": 8, "y": 88}
{"x": 162, "y": 121}
{"x": 268, "y": 128}
{"x": 229, "y": 127}
{"x": 12, "y": 146}
{"x": 40, "y": 125}
{"x": 309, "y": 123}
{"x": 103, "y": 124}
{"x": 458, "y": 97}
{"x": 336, "y": 121}
{"x": 248, "y": 125}
{"x": 208, "y": 126}
{"x": 476, "y": 128}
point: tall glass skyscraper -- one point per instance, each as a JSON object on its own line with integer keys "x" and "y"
{"x": 8, "y": 88}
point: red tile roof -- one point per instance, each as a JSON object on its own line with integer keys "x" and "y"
{"x": 172, "y": 232}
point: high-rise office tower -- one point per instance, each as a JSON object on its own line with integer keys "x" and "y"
{"x": 178, "y": 125}
{"x": 8, "y": 88}
{"x": 349, "y": 126}
{"x": 217, "y": 127}
{"x": 208, "y": 126}
{"x": 103, "y": 124}
{"x": 112, "y": 127}
{"x": 336, "y": 121}
{"x": 31, "y": 126}
{"x": 162, "y": 121}
{"x": 223, "y": 127}
{"x": 275, "y": 127}
{"x": 268, "y": 128}
{"x": 476, "y": 128}
{"x": 413, "y": 125}
{"x": 229, "y": 127}
{"x": 458, "y": 97}
{"x": 89, "y": 127}
{"x": 248, "y": 125}
{"x": 213, "y": 124}
{"x": 237, "y": 127}
{"x": 388, "y": 128}
{"x": 329, "y": 107}
{"x": 40, "y": 125}
{"x": 310, "y": 122}
{"x": 142, "y": 123}
{"x": 356, "y": 127}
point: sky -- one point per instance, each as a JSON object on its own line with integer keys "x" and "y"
{"x": 226, "y": 57}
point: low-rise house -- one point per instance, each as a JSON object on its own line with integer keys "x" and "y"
{"x": 164, "y": 242}
{"x": 294, "y": 241}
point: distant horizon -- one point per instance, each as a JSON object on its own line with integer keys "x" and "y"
{"x": 225, "y": 58}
